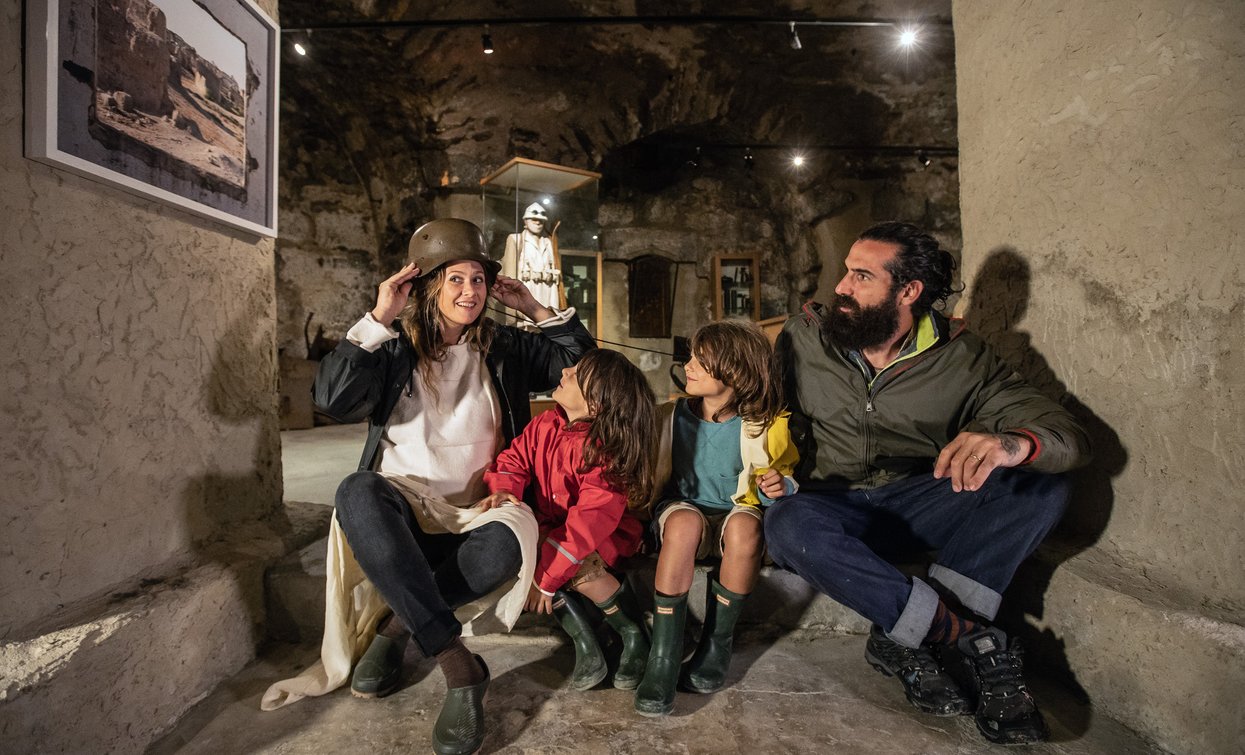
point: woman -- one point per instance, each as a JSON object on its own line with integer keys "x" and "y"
{"x": 443, "y": 392}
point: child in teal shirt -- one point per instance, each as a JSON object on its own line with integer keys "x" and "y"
{"x": 725, "y": 452}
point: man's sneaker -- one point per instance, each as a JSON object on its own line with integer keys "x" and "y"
{"x": 927, "y": 686}
{"x": 1006, "y": 713}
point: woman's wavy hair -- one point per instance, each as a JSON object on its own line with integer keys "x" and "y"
{"x": 920, "y": 258}
{"x": 738, "y": 353}
{"x": 623, "y": 416}
{"x": 423, "y": 324}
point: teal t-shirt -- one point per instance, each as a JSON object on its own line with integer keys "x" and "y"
{"x": 705, "y": 459}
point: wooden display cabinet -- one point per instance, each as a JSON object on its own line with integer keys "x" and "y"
{"x": 736, "y": 286}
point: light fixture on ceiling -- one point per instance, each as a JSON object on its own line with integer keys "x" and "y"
{"x": 486, "y": 41}
{"x": 907, "y": 37}
{"x": 302, "y": 43}
{"x": 797, "y": 160}
{"x": 748, "y": 157}
{"x": 923, "y": 158}
{"x": 795, "y": 38}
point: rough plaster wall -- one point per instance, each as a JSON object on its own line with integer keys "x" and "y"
{"x": 139, "y": 384}
{"x": 1103, "y": 200}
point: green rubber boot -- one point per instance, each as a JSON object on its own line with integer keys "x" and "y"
{"x": 459, "y": 729}
{"x": 655, "y": 695}
{"x": 379, "y": 671}
{"x": 590, "y": 666}
{"x": 622, "y": 613}
{"x": 707, "y": 670}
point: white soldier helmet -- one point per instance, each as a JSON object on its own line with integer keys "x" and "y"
{"x": 535, "y": 211}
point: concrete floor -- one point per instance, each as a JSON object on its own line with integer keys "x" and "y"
{"x": 314, "y": 461}
{"x": 806, "y": 691}
{"x": 796, "y": 693}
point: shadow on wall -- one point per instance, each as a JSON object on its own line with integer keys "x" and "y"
{"x": 233, "y": 517}
{"x": 1000, "y": 299}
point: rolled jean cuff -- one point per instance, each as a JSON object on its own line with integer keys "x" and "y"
{"x": 917, "y": 615}
{"x": 975, "y": 596}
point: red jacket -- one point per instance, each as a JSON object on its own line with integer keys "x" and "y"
{"x": 578, "y": 513}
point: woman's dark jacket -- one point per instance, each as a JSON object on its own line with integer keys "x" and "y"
{"x": 353, "y": 384}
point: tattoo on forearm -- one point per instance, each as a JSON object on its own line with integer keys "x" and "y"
{"x": 1010, "y": 443}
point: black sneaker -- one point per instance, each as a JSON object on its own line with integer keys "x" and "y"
{"x": 927, "y": 686}
{"x": 1006, "y": 713}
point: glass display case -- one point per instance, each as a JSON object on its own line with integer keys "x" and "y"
{"x": 736, "y": 281}
{"x": 540, "y": 221}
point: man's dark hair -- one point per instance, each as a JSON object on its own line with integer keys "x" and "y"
{"x": 920, "y": 258}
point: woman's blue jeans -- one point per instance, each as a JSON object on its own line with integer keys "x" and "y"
{"x": 422, "y": 577}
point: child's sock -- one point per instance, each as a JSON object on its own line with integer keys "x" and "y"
{"x": 947, "y": 626}
{"x": 459, "y": 665}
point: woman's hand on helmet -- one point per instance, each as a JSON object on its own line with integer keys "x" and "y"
{"x": 515, "y": 295}
{"x": 393, "y": 294}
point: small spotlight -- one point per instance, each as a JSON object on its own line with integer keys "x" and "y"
{"x": 923, "y": 158}
{"x": 795, "y": 38}
{"x": 907, "y": 37}
{"x": 486, "y": 41}
{"x": 748, "y": 157}
{"x": 298, "y": 48}
{"x": 797, "y": 161}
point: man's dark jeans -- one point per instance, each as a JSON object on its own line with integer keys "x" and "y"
{"x": 843, "y": 543}
{"x": 422, "y": 577}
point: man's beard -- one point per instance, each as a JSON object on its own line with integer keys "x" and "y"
{"x": 861, "y": 328}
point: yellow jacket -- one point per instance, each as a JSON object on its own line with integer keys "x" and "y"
{"x": 770, "y": 449}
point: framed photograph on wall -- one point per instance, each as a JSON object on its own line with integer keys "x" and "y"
{"x": 170, "y": 99}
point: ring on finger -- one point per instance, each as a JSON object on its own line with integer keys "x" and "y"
{"x": 975, "y": 456}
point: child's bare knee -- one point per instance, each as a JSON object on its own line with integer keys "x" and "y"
{"x": 682, "y": 524}
{"x": 742, "y": 536}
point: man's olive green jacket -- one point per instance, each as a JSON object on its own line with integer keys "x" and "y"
{"x": 857, "y": 433}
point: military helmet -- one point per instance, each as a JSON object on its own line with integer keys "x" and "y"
{"x": 439, "y": 242}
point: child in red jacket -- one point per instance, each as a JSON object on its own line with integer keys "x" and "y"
{"x": 586, "y": 465}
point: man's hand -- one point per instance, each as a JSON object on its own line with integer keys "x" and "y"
{"x": 515, "y": 295}
{"x": 497, "y": 500}
{"x": 537, "y": 601}
{"x": 393, "y": 294}
{"x": 970, "y": 457}
{"x": 771, "y": 483}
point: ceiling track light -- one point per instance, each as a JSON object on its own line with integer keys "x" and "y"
{"x": 486, "y": 41}
{"x": 795, "y": 38}
{"x": 302, "y": 43}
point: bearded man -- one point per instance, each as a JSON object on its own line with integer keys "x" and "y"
{"x": 915, "y": 439}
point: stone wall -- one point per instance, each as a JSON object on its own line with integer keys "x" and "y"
{"x": 377, "y": 129}
{"x": 1103, "y": 200}
{"x": 139, "y": 393}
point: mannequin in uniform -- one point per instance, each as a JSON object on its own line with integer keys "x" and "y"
{"x": 529, "y": 257}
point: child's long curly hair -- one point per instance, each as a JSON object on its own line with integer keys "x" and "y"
{"x": 422, "y": 321}
{"x": 624, "y": 422}
{"x": 738, "y": 353}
